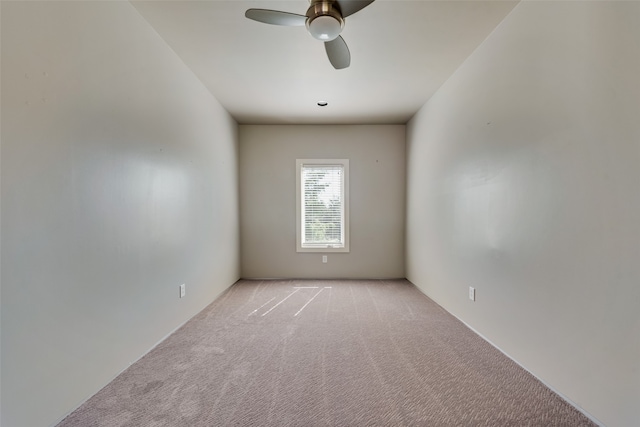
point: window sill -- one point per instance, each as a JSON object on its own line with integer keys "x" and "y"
{"x": 325, "y": 249}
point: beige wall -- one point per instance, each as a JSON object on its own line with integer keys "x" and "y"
{"x": 523, "y": 176}
{"x": 119, "y": 183}
{"x": 267, "y": 200}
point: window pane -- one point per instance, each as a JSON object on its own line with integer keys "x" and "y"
{"x": 323, "y": 212}
{"x": 322, "y": 205}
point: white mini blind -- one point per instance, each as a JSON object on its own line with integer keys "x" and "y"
{"x": 323, "y": 205}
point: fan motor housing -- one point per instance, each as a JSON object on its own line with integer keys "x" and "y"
{"x": 324, "y": 20}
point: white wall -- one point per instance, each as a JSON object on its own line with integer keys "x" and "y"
{"x": 523, "y": 181}
{"x": 267, "y": 200}
{"x": 119, "y": 182}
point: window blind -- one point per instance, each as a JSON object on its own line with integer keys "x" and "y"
{"x": 322, "y": 205}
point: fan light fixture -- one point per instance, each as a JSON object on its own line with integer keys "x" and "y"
{"x": 325, "y": 27}
{"x": 324, "y": 21}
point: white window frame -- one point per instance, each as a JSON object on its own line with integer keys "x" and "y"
{"x": 300, "y": 201}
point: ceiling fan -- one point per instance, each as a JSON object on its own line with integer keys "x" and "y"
{"x": 324, "y": 21}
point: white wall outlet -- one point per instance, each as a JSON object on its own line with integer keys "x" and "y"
{"x": 324, "y": 259}
{"x": 183, "y": 290}
{"x": 472, "y": 293}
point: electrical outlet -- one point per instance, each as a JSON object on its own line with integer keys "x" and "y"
{"x": 324, "y": 259}
{"x": 472, "y": 293}
{"x": 183, "y": 290}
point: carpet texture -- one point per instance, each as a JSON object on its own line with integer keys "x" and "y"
{"x": 325, "y": 353}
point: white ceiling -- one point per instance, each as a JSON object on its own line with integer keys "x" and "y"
{"x": 401, "y": 53}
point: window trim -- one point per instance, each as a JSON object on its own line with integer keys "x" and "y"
{"x": 299, "y": 200}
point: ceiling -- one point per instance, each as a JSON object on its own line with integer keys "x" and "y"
{"x": 401, "y": 53}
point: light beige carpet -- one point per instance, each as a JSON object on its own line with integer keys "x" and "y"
{"x": 325, "y": 353}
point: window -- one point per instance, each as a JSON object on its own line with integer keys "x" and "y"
{"x": 322, "y": 205}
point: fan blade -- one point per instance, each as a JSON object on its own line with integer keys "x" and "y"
{"x": 349, "y": 7}
{"x": 338, "y": 53}
{"x": 276, "y": 17}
